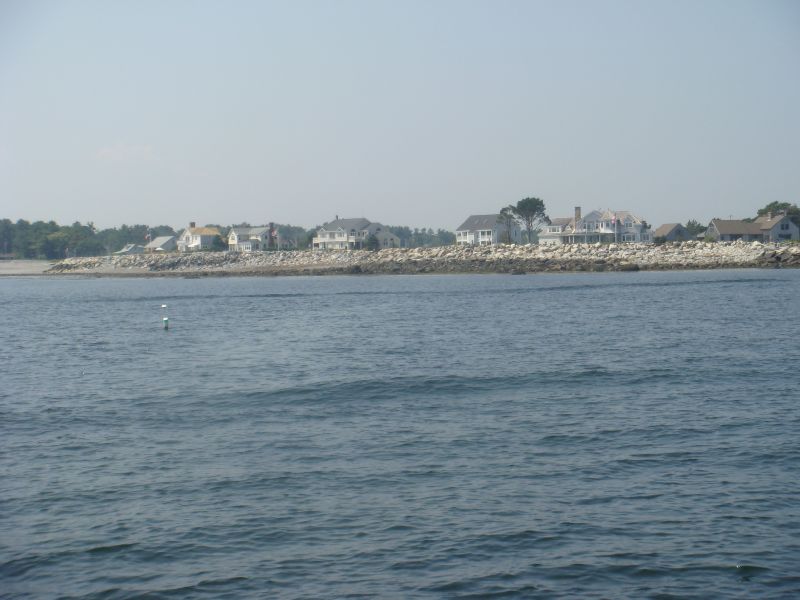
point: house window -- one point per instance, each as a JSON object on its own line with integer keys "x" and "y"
{"x": 784, "y": 226}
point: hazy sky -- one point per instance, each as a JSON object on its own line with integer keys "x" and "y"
{"x": 414, "y": 113}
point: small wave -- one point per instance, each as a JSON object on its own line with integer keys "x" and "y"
{"x": 414, "y": 386}
{"x": 110, "y": 549}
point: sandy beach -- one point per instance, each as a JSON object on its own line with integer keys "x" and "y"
{"x": 23, "y": 267}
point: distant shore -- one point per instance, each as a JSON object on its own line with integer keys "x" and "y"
{"x": 448, "y": 259}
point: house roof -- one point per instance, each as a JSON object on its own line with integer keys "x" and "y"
{"x": 346, "y": 225}
{"x": 734, "y": 227}
{"x": 160, "y": 241}
{"x": 203, "y": 230}
{"x": 666, "y": 229}
{"x": 561, "y": 221}
{"x": 130, "y": 249}
{"x": 478, "y": 222}
{"x": 620, "y": 215}
{"x": 766, "y": 223}
{"x": 239, "y": 231}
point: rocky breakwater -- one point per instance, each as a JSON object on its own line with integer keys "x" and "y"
{"x": 449, "y": 259}
{"x": 581, "y": 257}
{"x": 215, "y": 263}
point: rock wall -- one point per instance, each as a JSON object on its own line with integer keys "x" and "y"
{"x": 448, "y": 259}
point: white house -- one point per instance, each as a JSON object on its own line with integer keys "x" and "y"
{"x": 197, "y": 238}
{"x": 351, "y": 234}
{"x": 250, "y": 239}
{"x": 486, "y": 230}
{"x": 605, "y": 226}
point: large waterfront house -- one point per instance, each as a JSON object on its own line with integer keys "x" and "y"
{"x": 605, "y": 226}
{"x": 486, "y": 230}
{"x": 164, "y": 243}
{"x": 251, "y": 239}
{"x": 770, "y": 227}
{"x": 352, "y": 234}
{"x": 197, "y": 238}
{"x": 672, "y": 232}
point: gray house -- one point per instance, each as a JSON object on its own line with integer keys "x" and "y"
{"x": 164, "y": 243}
{"x": 130, "y": 249}
{"x": 672, "y": 232}
{"x": 486, "y": 230}
{"x": 778, "y": 227}
{"x": 766, "y": 228}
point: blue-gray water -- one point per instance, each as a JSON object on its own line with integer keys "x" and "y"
{"x": 611, "y": 435}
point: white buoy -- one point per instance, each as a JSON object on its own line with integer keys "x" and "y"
{"x": 166, "y": 322}
{"x": 163, "y": 306}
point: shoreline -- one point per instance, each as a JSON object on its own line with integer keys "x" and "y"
{"x": 501, "y": 259}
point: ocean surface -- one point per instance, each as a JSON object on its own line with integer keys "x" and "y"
{"x": 632, "y": 435}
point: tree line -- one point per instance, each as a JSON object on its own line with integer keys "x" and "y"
{"x": 49, "y": 240}
{"x": 40, "y": 239}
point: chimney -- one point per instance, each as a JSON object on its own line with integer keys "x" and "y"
{"x": 769, "y": 216}
{"x": 192, "y": 224}
{"x": 577, "y": 213}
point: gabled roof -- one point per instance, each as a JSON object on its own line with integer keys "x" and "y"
{"x": 734, "y": 227}
{"x": 203, "y": 231}
{"x": 160, "y": 241}
{"x": 130, "y": 249}
{"x": 766, "y": 223}
{"x": 619, "y": 215}
{"x": 666, "y": 229}
{"x": 596, "y": 215}
{"x": 480, "y": 222}
{"x": 561, "y": 221}
{"x": 346, "y": 225}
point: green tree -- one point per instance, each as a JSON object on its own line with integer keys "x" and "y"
{"x": 6, "y": 236}
{"x": 54, "y": 245}
{"x": 446, "y": 238}
{"x": 22, "y": 243}
{"x": 530, "y": 212}
{"x": 292, "y": 236}
{"x": 403, "y": 232}
{"x": 218, "y": 244}
{"x": 373, "y": 243}
{"x": 508, "y": 219}
{"x": 695, "y": 227}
